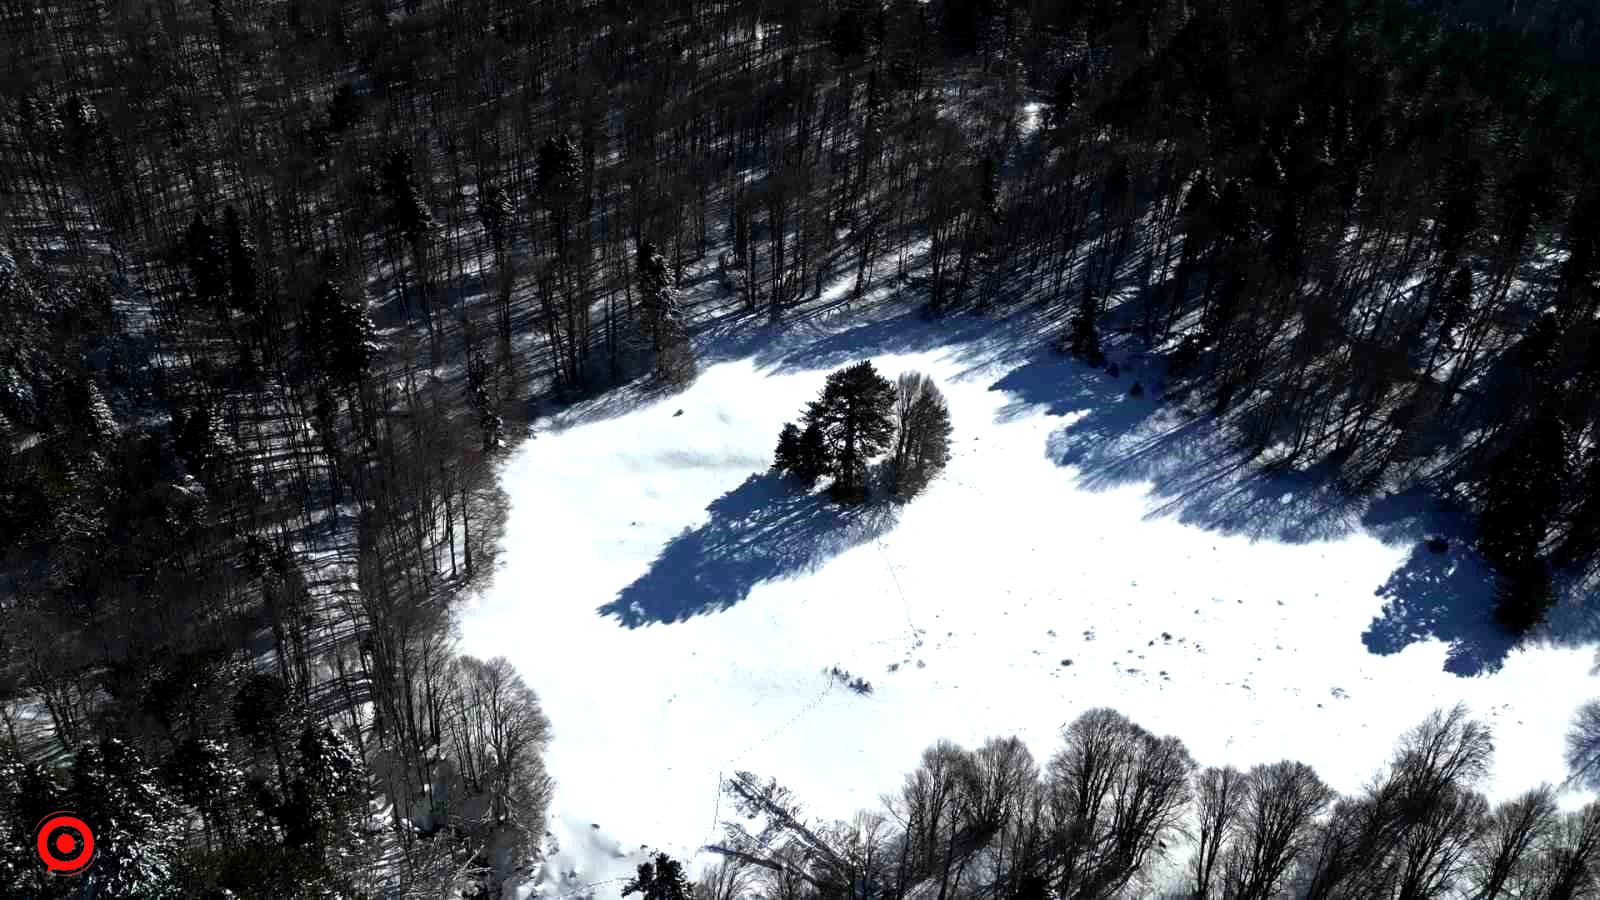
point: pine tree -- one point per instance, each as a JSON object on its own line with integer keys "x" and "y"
{"x": 326, "y": 808}
{"x": 202, "y": 441}
{"x": 661, "y": 879}
{"x": 207, "y": 259}
{"x": 494, "y": 211}
{"x": 851, "y": 30}
{"x": 202, "y": 776}
{"x": 1083, "y": 341}
{"x": 135, "y": 821}
{"x": 408, "y": 214}
{"x": 344, "y": 109}
{"x": 812, "y": 458}
{"x": 853, "y": 418}
{"x": 1582, "y": 540}
{"x": 663, "y": 317}
{"x": 491, "y": 424}
{"x": 261, "y": 715}
{"x": 29, "y": 791}
{"x": 787, "y": 456}
{"x": 1521, "y": 497}
{"x": 559, "y": 174}
{"x": 241, "y": 257}
{"x": 339, "y": 334}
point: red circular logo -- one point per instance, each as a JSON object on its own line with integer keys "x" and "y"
{"x": 66, "y": 845}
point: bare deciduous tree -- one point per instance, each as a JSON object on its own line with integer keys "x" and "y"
{"x": 1512, "y": 836}
{"x": 1219, "y": 793}
{"x": 1274, "y": 827}
{"x": 729, "y": 879}
{"x": 922, "y": 433}
{"x": 1583, "y": 746}
{"x": 499, "y": 733}
{"x": 1406, "y": 824}
{"x": 1566, "y": 869}
{"x": 1117, "y": 793}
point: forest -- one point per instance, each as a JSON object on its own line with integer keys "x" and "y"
{"x": 1105, "y": 813}
{"x": 282, "y": 280}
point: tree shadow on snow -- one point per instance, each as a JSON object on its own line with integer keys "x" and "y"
{"x": 1198, "y": 475}
{"x": 1446, "y": 595}
{"x": 889, "y": 320}
{"x": 766, "y": 529}
{"x": 971, "y": 340}
{"x": 1195, "y": 474}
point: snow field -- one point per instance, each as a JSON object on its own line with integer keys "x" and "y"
{"x": 659, "y": 678}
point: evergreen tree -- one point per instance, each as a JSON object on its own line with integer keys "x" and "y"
{"x": 491, "y": 424}
{"x": 787, "y": 457}
{"x": 1582, "y": 540}
{"x": 261, "y": 715}
{"x": 135, "y": 822}
{"x": 813, "y": 459}
{"x": 207, "y": 258}
{"x": 1521, "y": 497}
{"x": 344, "y": 109}
{"x": 202, "y": 441}
{"x": 408, "y": 213}
{"x": 241, "y": 256}
{"x": 1083, "y": 340}
{"x": 663, "y": 317}
{"x": 202, "y": 776}
{"x": 559, "y": 174}
{"x": 660, "y": 879}
{"x": 960, "y": 21}
{"x": 29, "y": 791}
{"x": 851, "y": 30}
{"x": 339, "y": 333}
{"x": 494, "y": 212}
{"x": 325, "y": 812}
{"x": 853, "y": 419}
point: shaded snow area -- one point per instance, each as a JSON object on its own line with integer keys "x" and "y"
{"x": 582, "y": 861}
{"x": 679, "y": 609}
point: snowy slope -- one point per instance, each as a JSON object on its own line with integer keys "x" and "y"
{"x": 677, "y": 608}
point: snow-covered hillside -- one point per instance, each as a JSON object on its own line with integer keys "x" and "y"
{"x": 678, "y": 608}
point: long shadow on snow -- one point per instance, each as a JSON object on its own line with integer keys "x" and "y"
{"x": 1445, "y": 595}
{"x": 1199, "y": 477}
{"x": 969, "y": 339}
{"x": 889, "y": 320}
{"x": 766, "y": 529}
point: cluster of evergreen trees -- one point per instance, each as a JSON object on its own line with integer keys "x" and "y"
{"x": 858, "y": 416}
{"x": 1114, "y": 806}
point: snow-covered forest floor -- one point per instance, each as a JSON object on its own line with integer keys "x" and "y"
{"x": 680, "y": 610}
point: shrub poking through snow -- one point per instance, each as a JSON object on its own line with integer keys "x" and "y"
{"x": 853, "y": 682}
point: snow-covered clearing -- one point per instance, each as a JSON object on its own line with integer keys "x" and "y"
{"x": 677, "y": 607}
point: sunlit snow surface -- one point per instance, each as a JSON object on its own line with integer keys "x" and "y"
{"x": 676, "y": 607}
